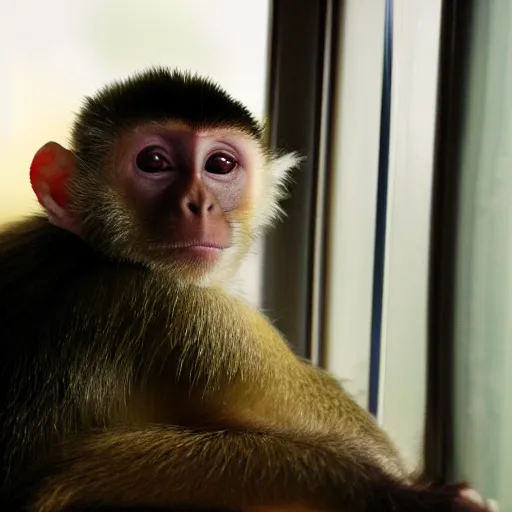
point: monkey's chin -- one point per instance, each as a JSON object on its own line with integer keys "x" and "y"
{"x": 191, "y": 264}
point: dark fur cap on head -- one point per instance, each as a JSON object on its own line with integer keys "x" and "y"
{"x": 158, "y": 94}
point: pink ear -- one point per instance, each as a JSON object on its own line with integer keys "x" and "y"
{"x": 50, "y": 171}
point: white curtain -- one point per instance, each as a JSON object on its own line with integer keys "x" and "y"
{"x": 483, "y": 376}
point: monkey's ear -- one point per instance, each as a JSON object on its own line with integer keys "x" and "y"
{"x": 50, "y": 171}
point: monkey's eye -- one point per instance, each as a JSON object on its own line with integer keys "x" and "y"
{"x": 220, "y": 163}
{"x": 152, "y": 159}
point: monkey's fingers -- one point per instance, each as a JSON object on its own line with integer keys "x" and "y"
{"x": 448, "y": 498}
{"x": 472, "y": 495}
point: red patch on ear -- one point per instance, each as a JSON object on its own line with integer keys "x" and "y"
{"x": 58, "y": 186}
{"x": 45, "y": 168}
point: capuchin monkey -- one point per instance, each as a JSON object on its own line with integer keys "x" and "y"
{"x": 130, "y": 375}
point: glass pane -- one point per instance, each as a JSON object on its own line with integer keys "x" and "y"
{"x": 483, "y": 376}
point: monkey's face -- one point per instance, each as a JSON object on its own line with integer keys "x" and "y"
{"x": 182, "y": 198}
{"x": 174, "y": 198}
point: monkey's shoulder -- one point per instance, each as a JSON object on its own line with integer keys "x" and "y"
{"x": 46, "y": 272}
{"x": 36, "y": 252}
{"x": 35, "y": 246}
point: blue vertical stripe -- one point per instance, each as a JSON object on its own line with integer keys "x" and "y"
{"x": 380, "y": 224}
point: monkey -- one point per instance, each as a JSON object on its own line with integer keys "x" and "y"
{"x": 132, "y": 377}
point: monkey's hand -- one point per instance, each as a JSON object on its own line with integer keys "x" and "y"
{"x": 471, "y": 495}
{"x": 449, "y": 498}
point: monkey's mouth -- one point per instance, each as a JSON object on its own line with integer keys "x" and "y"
{"x": 208, "y": 253}
{"x": 200, "y": 251}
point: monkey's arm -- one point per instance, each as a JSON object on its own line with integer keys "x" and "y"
{"x": 169, "y": 467}
{"x": 290, "y": 393}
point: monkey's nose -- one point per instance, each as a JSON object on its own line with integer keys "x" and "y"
{"x": 199, "y": 208}
{"x": 196, "y": 200}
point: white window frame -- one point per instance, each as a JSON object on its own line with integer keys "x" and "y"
{"x": 403, "y": 370}
{"x": 350, "y": 256}
{"x": 355, "y": 165}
